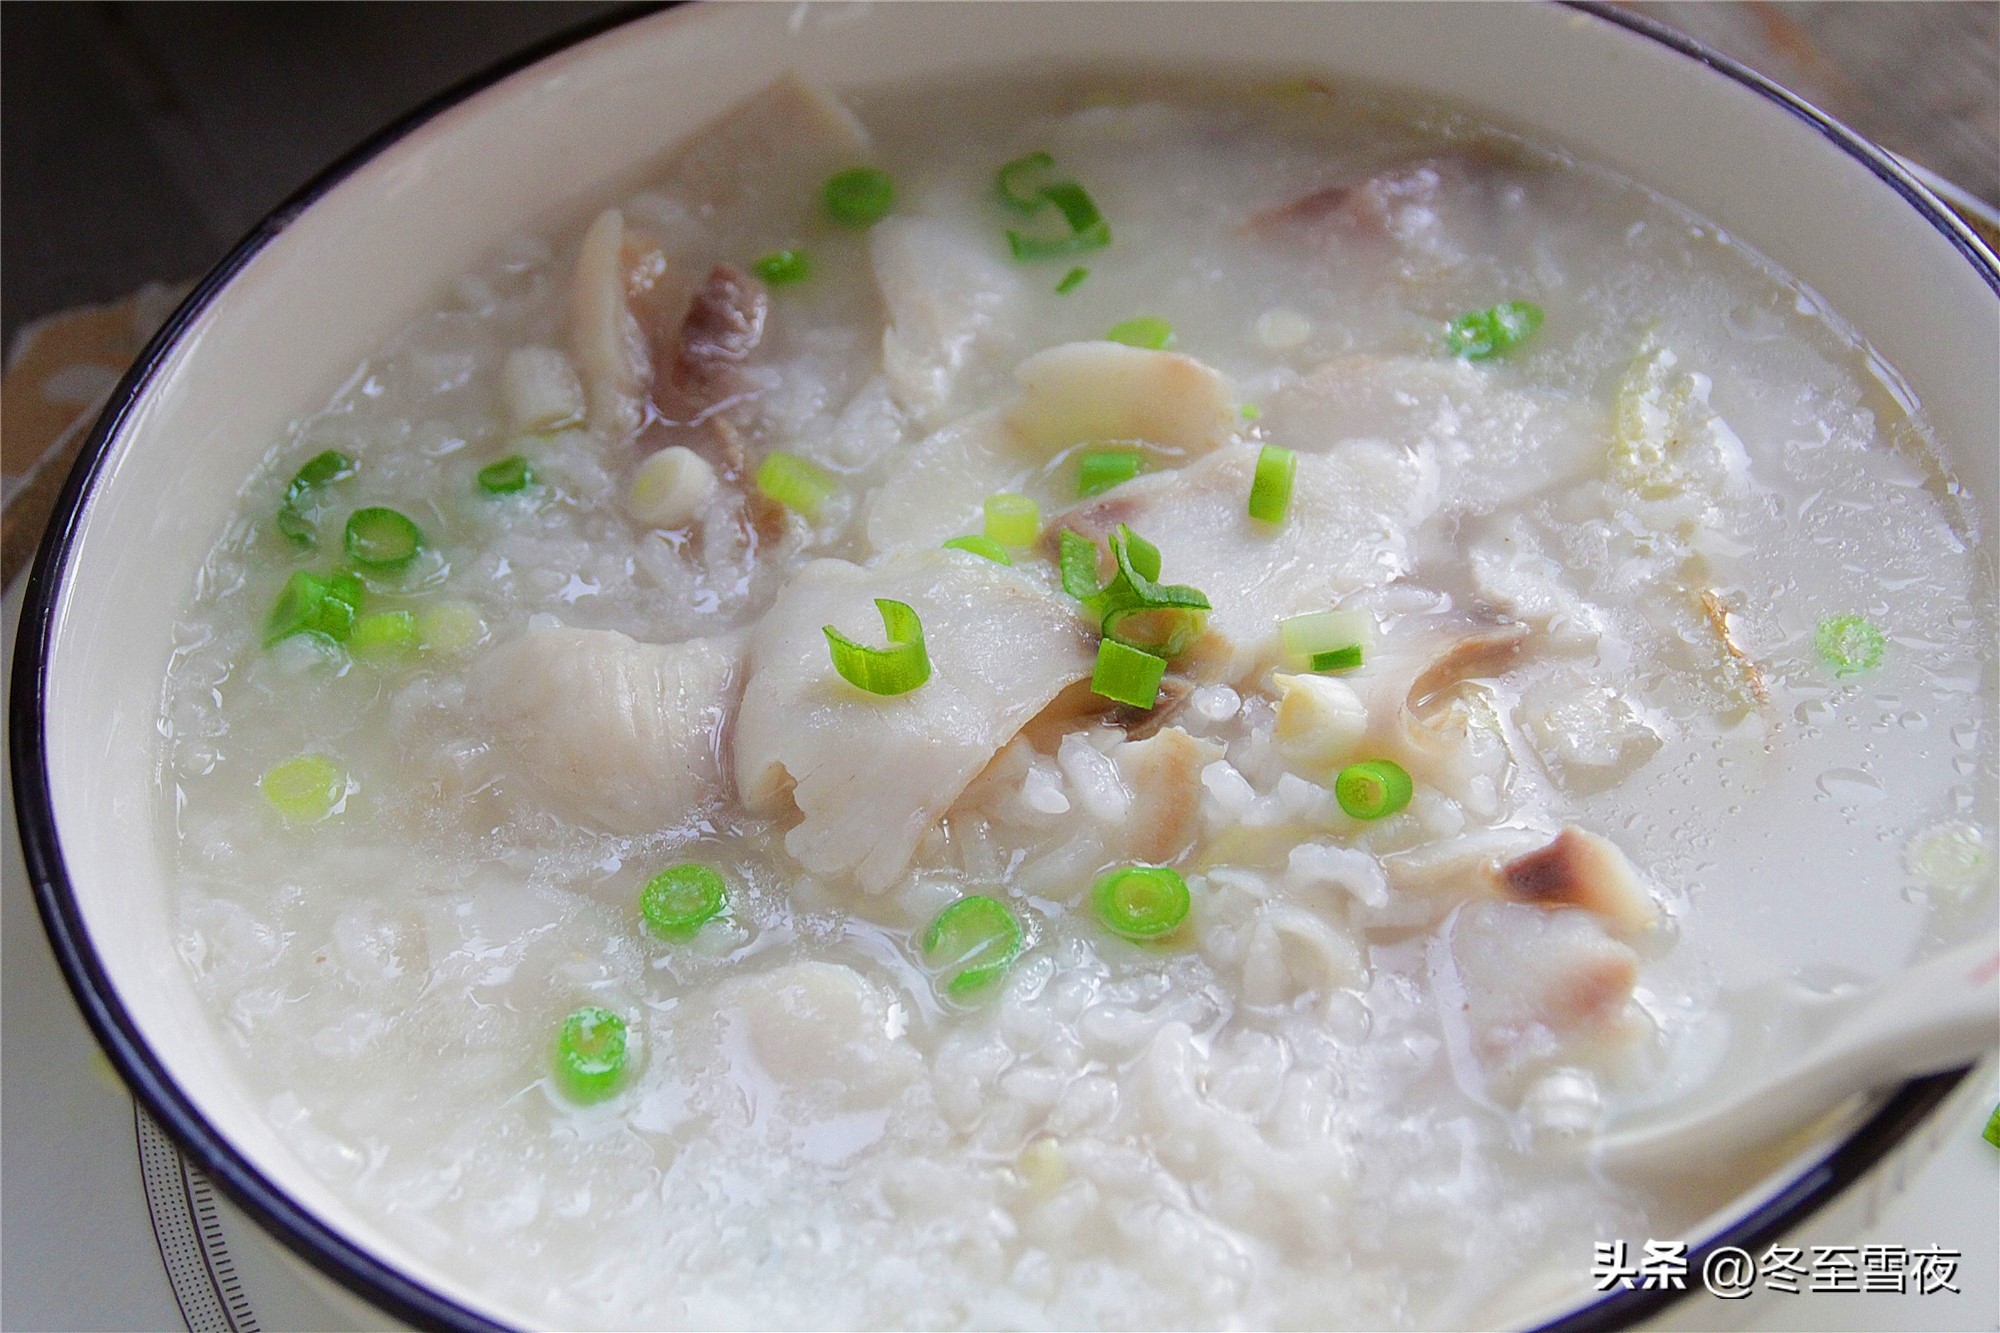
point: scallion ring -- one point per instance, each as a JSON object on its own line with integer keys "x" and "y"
{"x": 1135, "y": 610}
{"x": 1336, "y": 659}
{"x": 591, "y": 1054}
{"x": 860, "y": 196}
{"x": 296, "y": 516}
{"x": 381, "y": 538}
{"x": 1128, "y": 675}
{"x": 1098, "y": 470}
{"x": 1373, "y": 789}
{"x": 795, "y": 483}
{"x": 896, "y": 669}
{"x": 1483, "y": 334}
{"x": 781, "y": 267}
{"x": 1848, "y": 644}
{"x": 971, "y": 943}
{"x": 1327, "y": 640}
{"x": 1271, "y": 486}
{"x": 1140, "y": 902}
{"x": 1087, "y": 228}
{"x": 1161, "y": 629}
{"x": 680, "y": 899}
{"x": 384, "y": 632}
{"x": 1020, "y": 182}
{"x": 505, "y": 477}
{"x": 1147, "y": 331}
{"x": 979, "y": 545}
{"x": 305, "y": 788}
{"x": 1077, "y": 558}
{"x": 310, "y": 604}
{"x": 1012, "y": 520}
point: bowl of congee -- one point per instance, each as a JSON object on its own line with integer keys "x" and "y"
{"x": 1062, "y": 665}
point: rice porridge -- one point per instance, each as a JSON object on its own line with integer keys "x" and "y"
{"x": 1108, "y": 701}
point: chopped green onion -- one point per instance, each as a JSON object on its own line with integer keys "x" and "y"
{"x": 1140, "y": 902}
{"x": 1271, "y": 487}
{"x": 591, "y": 1054}
{"x": 1135, "y": 611}
{"x": 1848, "y": 644}
{"x": 1337, "y": 659}
{"x": 1251, "y": 411}
{"x": 297, "y": 608}
{"x": 1481, "y": 334}
{"x": 1165, "y": 631}
{"x": 1373, "y": 788}
{"x": 971, "y": 943}
{"x": 1012, "y": 520}
{"x": 384, "y": 631}
{"x": 783, "y": 266}
{"x": 983, "y": 546}
{"x": 296, "y": 515}
{"x": 1087, "y": 227}
{"x": 795, "y": 483}
{"x": 505, "y": 477}
{"x": 1335, "y": 636}
{"x": 379, "y": 538}
{"x": 681, "y": 899}
{"x": 897, "y": 669}
{"x": 1992, "y": 1134}
{"x": 1098, "y": 470}
{"x": 1077, "y": 559}
{"x": 1071, "y": 281}
{"x": 450, "y": 628}
{"x": 860, "y": 196}
{"x": 309, "y": 604}
{"x": 1020, "y": 181}
{"x": 1127, "y": 674}
{"x": 1163, "y": 619}
{"x": 1142, "y": 555}
{"x": 321, "y": 468}
{"x": 294, "y": 523}
{"x": 1147, "y": 331}
{"x": 306, "y": 788}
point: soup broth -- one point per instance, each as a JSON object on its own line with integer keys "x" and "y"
{"x": 1664, "y": 608}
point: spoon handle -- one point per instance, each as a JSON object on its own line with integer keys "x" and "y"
{"x": 1942, "y": 1013}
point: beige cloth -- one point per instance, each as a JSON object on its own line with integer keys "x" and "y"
{"x": 60, "y": 370}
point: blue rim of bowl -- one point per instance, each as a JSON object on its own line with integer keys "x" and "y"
{"x": 365, "y": 1274}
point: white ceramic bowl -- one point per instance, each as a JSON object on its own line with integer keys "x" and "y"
{"x": 277, "y": 327}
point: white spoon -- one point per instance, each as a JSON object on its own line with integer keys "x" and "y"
{"x": 1937, "y": 1015}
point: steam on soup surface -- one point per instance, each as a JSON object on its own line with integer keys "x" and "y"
{"x": 1439, "y": 627}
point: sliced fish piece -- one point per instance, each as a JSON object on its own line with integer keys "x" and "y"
{"x": 1346, "y": 530}
{"x": 754, "y": 160}
{"x": 870, "y": 774}
{"x": 1580, "y": 869}
{"x": 618, "y": 734}
{"x": 1163, "y": 775}
{"x": 611, "y": 350}
{"x": 1073, "y": 394}
{"x": 1491, "y": 444}
{"x": 1417, "y": 714}
{"x": 1526, "y": 990}
{"x": 1091, "y": 392}
{"x": 936, "y": 491}
{"x": 953, "y": 303}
